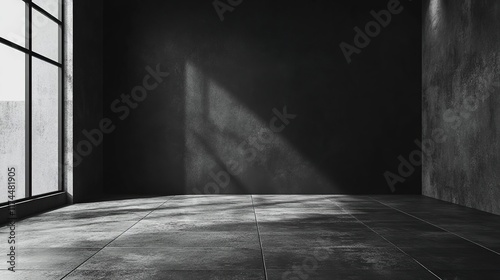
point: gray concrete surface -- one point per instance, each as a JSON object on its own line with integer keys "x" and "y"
{"x": 461, "y": 102}
{"x": 249, "y": 237}
{"x": 12, "y": 145}
{"x": 68, "y": 99}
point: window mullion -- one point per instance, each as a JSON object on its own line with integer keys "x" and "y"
{"x": 61, "y": 102}
{"x": 29, "y": 104}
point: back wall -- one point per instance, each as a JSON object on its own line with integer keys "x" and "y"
{"x": 259, "y": 97}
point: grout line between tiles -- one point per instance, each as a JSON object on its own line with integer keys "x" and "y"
{"x": 441, "y": 228}
{"x": 115, "y": 238}
{"x": 395, "y": 246}
{"x": 260, "y": 241}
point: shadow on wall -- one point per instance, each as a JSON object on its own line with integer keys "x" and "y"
{"x": 263, "y": 102}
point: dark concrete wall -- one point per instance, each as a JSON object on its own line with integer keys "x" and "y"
{"x": 87, "y": 96}
{"x": 352, "y": 120}
{"x": 461, "y": 109}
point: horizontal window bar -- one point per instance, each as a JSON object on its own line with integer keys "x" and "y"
{"x": 46, "y": 59}
{"x": 32, "y": 53}
{"x": 13, "y": 45}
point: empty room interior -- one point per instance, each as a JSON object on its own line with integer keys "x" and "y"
{"x": 260, "y": 140}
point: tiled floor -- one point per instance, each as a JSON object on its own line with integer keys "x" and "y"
{"x": 259, "y": 237}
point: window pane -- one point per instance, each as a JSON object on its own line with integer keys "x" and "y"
{"x": 46, "y": 36}
{"x": 51, "y": 6}
{"x": 45, "y": 124}
{"x": 13, "y": 21}
{"x": 12, "y": 119}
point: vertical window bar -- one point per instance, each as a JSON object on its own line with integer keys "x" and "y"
{"x": 28, "y": 105}
{"x": 61, "y": 100}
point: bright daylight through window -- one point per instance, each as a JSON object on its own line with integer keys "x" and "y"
{"x": 31, "y": 66}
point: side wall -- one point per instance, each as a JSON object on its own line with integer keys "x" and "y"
{"x": 461, "y": 102}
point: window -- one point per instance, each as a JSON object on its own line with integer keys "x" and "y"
{"x": 31, "y": 84}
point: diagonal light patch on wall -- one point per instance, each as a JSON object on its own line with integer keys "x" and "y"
{"x": 223, "y": 135}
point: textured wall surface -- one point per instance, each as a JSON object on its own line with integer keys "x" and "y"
{"x": 461, "y": 105}
{"x": 226, "y": 77}
{"x": 68, "y": 99}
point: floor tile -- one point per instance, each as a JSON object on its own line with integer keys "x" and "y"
{"x": 69, "y": 238}
{"x": 426, "y": 239}
{"x": 175, "y": 259}
{"x": 141, "y": 274}
{"x": 340, "y": 258}
{"x": 57, "y": 259}
{"x": 468, "y": 274}
{"x": 351, "y": 239}
{"x": 216, "y": 239}
{"x": 32, "y": 274}
{"x": 472, "y": 258}
{"x": 309, "y": 273}
{"x": 151, "y": 225}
